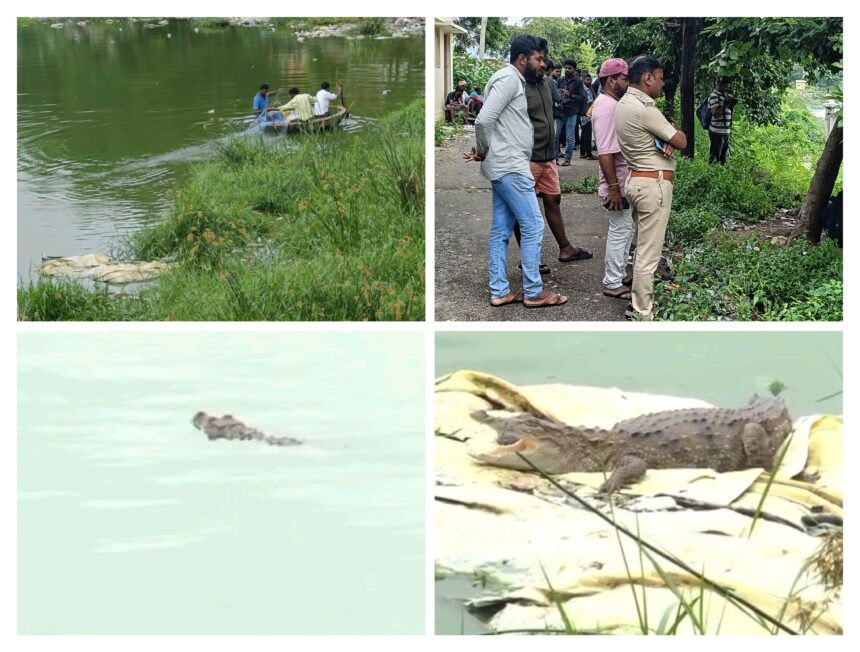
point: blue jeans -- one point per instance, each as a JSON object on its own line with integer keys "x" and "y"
{"x": 514, "y": 200}
{"x": 569, "y": 123}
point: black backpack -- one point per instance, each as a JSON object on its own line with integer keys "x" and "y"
{"x": 704, "y": 113}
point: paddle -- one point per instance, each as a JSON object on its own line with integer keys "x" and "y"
{"x": 340, "y": 95}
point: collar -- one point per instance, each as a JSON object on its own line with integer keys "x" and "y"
{"x": 639, "y": 95}
{"x": 514, "y": 68}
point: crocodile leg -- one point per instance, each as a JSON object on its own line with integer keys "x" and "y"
{"x": 754, "y": 437}
{"x": 627, "y": 469}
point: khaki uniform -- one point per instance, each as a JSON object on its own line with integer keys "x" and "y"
{"x": 638, "y": 122}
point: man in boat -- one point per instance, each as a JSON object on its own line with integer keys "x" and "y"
{"x": 261, "y": 100}
{"x": 300, "y": 104}
{"x": 324, "y": 98}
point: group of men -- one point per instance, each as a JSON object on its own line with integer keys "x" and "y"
{"x": 573, "y": 96}
{"x": 300, "y": 105}
{"x": 463, "y": 103}
{"x": 517, "y": 144}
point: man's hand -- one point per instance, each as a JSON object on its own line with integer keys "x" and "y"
{"x": 613, "y": 199}
{"x": 473, "y": 156}
{"x": 668, "y": 151}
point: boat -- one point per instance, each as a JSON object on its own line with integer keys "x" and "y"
{"x": 276, "y": 122}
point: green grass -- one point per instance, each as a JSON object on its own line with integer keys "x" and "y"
{"x": 718, "y": 276}
{"x": 325, "y": 226}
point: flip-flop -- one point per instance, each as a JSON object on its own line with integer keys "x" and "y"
{"x": 581, "y": 254}
{"x": 543, "y": 269}
{"x": 513, "y": 297}
{"x": 627, "y": 280}
{"x": 549, "y": 300}
{"x": 614, "y": 293}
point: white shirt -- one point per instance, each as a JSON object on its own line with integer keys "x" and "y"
{"x": 323, "y": 99}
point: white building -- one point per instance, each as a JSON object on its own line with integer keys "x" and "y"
{"x": 444, "y": 60}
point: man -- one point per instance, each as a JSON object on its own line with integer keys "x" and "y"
{"x": 300, "y": 104}
{"x": 596, "y": 88}
{"x": 721, "y": 105}
{"x": 454, "y": 105}
{"x": 261, "y": 100}
{"x": 543, "y": 167}
{"x": 638, "y": 122}
{"x": 613, "y": 176}
{"x": 323, "y": 99}
{"x": 585, "y": 122}
{"x": 504, "y": 141}
{"x": 573, "y": 97}
{"x": 476, "y": 102}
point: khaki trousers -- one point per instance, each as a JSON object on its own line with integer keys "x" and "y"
{"x": 651, "y": 202}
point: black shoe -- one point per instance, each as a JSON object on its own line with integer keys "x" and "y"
{"x": 543, "y": 269}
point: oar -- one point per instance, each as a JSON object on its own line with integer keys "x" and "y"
{"x": 340, "y": 95}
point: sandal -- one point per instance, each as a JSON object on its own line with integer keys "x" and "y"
{"x": 513, "y": 297}
{"x": 543, "y": 269}
{"x": 621, "y": 292}
{"x": 627, "y": 280}
{"x": 581, "y": 254}
{"x": 545, "y": 299}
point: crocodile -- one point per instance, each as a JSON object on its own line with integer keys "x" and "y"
{"x": 228, "y": 427}
{"x": 717, "y": 438}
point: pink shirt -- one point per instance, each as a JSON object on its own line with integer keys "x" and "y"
{"x": 603, "y": 118}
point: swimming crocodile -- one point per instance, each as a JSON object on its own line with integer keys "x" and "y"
{"x": 721, "y": 439}
{"x": 228, "y": 427}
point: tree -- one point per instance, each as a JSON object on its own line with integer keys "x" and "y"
{"x": 689, "y": 37}
{"x": 496, "y": 36}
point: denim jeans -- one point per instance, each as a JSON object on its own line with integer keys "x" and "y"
{"x": 514, "y": 200}
{"x": 618, "y": 239}
{"x": 568, "y": 123}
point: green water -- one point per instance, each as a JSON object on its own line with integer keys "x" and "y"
{"x": 724, "y": 368}
{"x": 111, "y": 115}
{"x": 131, "y": 522}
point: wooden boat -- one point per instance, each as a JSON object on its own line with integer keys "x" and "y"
{"x": 298, "y": 126}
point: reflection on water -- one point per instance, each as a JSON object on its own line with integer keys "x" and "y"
{"x": 110, "y": 115}
{"x": 131, "y": 521}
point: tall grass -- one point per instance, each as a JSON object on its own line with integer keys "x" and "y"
{"x": 320, "y": 226}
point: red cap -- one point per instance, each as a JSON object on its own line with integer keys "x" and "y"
{"x": 612, "y": 67}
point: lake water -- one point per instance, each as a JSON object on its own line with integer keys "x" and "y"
{"x": 723, "y": 368}
{"x": 130, "y": 521}
{"x": 111, "y": 115}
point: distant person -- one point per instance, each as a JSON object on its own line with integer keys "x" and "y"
{"x": 721, "y": 105}
{"x": 573, "y": 98}
{"x": 585, "y": 122}
{"x": 648, "y": 143}
{"x": 323, "y": 99}
{"x": 613, "y": 177}
{"x": 300, "y": 104}
{"x": 504, "y": 142}
{"x": 454, "y": 106}
{"x": 476, "y": 102}
{"x": 596, "y": 88}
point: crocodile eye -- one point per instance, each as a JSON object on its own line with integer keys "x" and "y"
{"x": 507, "y": 439}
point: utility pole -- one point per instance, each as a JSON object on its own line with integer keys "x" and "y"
{"x": 482, "y": 38}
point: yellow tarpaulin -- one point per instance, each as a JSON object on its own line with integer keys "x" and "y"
{"x": 515, "y": 526}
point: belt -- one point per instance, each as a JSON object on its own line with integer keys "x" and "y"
{"x": 668, "y": 175}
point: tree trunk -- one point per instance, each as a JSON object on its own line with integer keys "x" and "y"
{"x": 821, "y": 186}
{"x": 482, "y": 38}
{"x": 690, "y": 34}
{"x": 669, "y": 87}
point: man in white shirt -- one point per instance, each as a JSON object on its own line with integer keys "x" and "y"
{"x": 323, "y": 99}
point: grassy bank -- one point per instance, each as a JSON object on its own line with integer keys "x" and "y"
{"x": 315, "y": 227}
{"x": 725, "y": 274}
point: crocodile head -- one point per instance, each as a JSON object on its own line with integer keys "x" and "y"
{"x": 772, "y": 415}
{"x": 199, "y": 419}
{"x": 543, "y": 442}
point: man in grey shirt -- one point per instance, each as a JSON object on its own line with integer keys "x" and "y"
{"x": 505, "y": 138}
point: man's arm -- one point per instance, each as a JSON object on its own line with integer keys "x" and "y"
{"x": 656, "y": 123}
{"x": 499, "y": 96}
{"x": 716, "y": 105}
{"x": 607, "y": 166}
{"x": 553, "y": 86}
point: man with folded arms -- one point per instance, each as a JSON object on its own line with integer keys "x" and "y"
{"x": 505, "y": 139}
{"x": 648, "y": 142}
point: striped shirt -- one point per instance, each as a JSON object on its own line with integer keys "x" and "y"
{"x": 721, "y": 122}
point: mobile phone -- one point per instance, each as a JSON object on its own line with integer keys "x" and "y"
{"x": 624, "y": 204}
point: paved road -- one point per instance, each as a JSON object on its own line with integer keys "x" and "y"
{"x": 463, "y": 219}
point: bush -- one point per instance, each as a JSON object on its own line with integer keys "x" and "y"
{"x": 474, "y": 71}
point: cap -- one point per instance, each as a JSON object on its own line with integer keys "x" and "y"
{"x": 612, "y": 67}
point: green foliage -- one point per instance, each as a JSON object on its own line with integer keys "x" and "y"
{"x": 586, "y": 185}
{"x": 474, "y": 71}
{"x": 496, "y": 37}
{"x": 323, "y": 226}
{"x": 731, "y": 279}
{"x": 565, "y": 37}
{"x": 691, "y": 226}
{"x": 373, "y": 26}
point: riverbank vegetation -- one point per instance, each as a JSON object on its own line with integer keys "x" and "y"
{"x": 326, "y": 226}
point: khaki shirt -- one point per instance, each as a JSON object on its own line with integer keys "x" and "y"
{"x": 638, "y": 122}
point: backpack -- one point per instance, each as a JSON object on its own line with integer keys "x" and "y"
{"x": 704, "y": 113}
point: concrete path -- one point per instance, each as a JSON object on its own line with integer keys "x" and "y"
{"x": 463, "y": 219}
